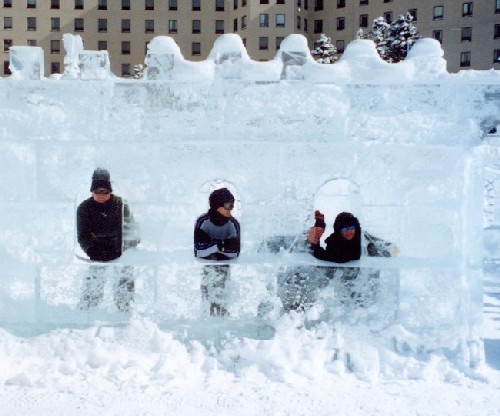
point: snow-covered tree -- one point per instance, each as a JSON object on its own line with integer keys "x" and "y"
{"x": 138, "y": 71}
{"x": 324, "y": 51}
{"x": 393, "y": 40}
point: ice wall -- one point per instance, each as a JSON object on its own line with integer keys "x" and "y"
{"x": 407, "y": 136}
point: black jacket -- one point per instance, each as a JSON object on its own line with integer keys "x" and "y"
{"x": 100, "y": 227}
{"x": 338, "y": 249}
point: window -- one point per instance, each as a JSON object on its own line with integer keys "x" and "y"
{"x": 235, "y": 25}
{"x": 363, "y": 2}
{"x": 102, "y": 45}
{"x": 299, "y": 22}
{"x": 126, "y": 47}
{"x": 7, "y": 23}
{"x": 305, "y": 25}
{"x": 219, "y": 26}
{"x": 306, "y": 4}
{"x": 318, "y": 26}
{"x": 414, "y": 14}
{"x": 467, "y": 9}
{"x": 102, "y": 25}
{"x": 54, "y": 4}
{"x": 196, "y": 26}
{"x": 340, "y": 4}
{"x": 496, "y": 56}
{"x": 6, "y": 69}
{"x": 243, "y": 22}
{"x": 149, "y": 5}
{"x": 79, "y": 25}
{"x": 78, "y": 4}
{"x": 235, "y": 4}
{"x": 102, "y": 5}
{"x": 464, "y": 59}
{"x": 264, "y": 1}
{"x": 172, "y": 4}
{"x": 318, "y": 5}
{"x": 55, "y": 24}
{"x": 55, "y": 68}
{"x": 125, "y": 25}
{"x": 243, "y": 3}
{"x": 263, "y": 43}
{"x": 196, "y": 48}
{"x": 7, "y": 3}
{"x": 438, "y": 12}
{"x": 340, "y": 23}
{"x": 363, "y": 20}
{"x": 125, "y": 4}
{"x": 31, "y": 23}
{"x": 497, "y": 6}
{"x": 340, "y": 45}
{"x": 280, "y": 1}
{"x": 438, "y": 35}
{"x": 126, "y": 70}
{"x": 466, "y": 34}
{"x": 387, "y": 1}
{"x": 388, "y": 17}
{"x": 172, "y": 26}
{"x": 196, "y": 5}
{"x": 263, "y": 20}
{"x": 149, "y": 26}
{"x": 496, "y": 32}
{"x": 280, "y": 20}
{"x": 32, "y": 42}
{"x": 31, "y": 4}
{"x": 7, "y": 43}
{"x": 219, "y": 5}
{"x": 55, "y": 46}
{"x": 279, "y": 39}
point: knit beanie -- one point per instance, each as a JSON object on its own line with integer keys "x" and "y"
{"x": 219, "y": 197}
{"x": 100, "y": 179}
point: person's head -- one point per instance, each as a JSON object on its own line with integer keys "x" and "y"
{"x": 347, "y": 226}
{"x": 222, "y": 201}
{"x": 101, "y": 185}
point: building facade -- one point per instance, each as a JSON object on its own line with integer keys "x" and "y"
{"x": 469, "y": 31}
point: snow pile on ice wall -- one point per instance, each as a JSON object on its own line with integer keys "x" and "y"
{"x": 408, "y": 137}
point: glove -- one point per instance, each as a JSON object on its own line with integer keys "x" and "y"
{"x": 319, "y": 219}
{"x": 314, "y": 235}
{"x": 102, "y": 252}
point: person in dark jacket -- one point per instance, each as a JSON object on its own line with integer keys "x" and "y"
{"x": 104, "y": 223}
{"x": 343, "y": 245}
{"x": 217, "y": 237}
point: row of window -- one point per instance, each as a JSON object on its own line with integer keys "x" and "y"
{"x": 125, "y": 5}
{"x": 149, "y": 24}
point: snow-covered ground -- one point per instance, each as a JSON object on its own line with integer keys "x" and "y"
{"x": 403, "y": 147}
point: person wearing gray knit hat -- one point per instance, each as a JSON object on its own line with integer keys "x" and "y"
{"x": 104, "y": 226}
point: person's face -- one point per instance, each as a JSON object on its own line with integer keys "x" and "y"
{"x": 226, "y": 209}
{"x": 101, "y": 195}
{"x": 348, "y": 232}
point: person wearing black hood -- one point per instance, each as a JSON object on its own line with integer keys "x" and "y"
{"x": 343, "y": 245}
{"x": 104, "y": 225}
{"x": 217, "y": 237}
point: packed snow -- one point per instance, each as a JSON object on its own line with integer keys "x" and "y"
{"x": 407, "y": 147}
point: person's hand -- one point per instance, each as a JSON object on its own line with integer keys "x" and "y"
{"x": 314, "y": 235}
{"x": 319, "y": 219}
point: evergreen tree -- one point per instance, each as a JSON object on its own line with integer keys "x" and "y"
{"x": 393, "y": 40}
{"x": 324, "y": 52}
